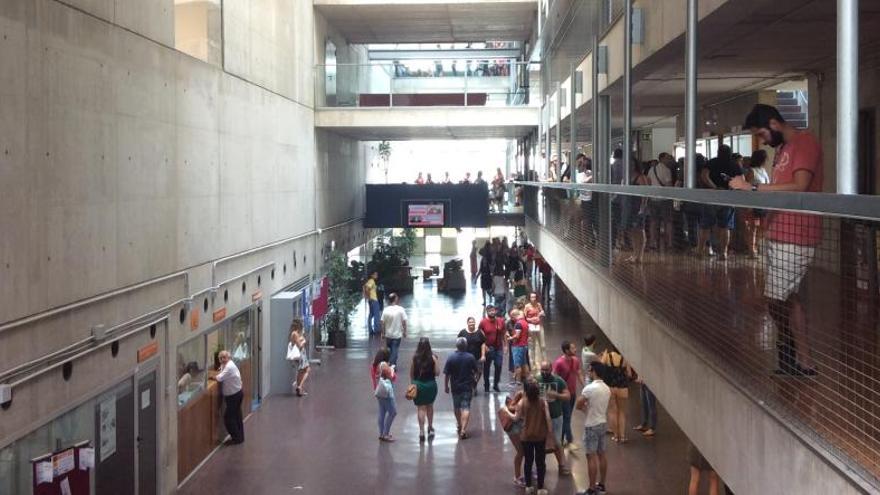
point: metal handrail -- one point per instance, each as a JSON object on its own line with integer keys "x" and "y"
{"x": 860, "y": 207}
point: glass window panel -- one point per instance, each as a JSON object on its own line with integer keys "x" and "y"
{"x": 191, "y": 374}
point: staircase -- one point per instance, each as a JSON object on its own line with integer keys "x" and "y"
{"x": 793, "y": 107}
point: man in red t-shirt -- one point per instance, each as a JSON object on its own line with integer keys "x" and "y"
{"x": 568, "y": 367}
{"x": 493, "y": 327}
{"x": 792, "y": 237}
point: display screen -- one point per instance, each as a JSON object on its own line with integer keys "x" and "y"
{"x": 424, "y": 215}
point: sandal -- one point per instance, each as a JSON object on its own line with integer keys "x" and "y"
{"x": 640, "y": 428}
{"x": 648, "y": 433}
{"x": 520, "y": 482}
{"x": 421, "y": 438}
{"x": 464, "y": 436}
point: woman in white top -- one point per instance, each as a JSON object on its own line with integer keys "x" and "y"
{"x": 301, "y": 365}
{"x": 756, "y": 174}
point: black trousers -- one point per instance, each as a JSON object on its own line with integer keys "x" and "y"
{"x": 232, "y": 418}
{"x": 534, "y": 453}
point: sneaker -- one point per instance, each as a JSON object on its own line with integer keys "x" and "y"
{"x": 600, "y": 488}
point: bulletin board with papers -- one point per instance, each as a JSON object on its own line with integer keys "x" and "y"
{"x": 64, "y": 472}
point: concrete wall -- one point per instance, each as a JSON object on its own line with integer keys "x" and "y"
{"x": 123, "y": 160}
{"x": 753, "y": 451}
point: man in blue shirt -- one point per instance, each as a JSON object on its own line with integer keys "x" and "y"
{"x": 461, "y": 369}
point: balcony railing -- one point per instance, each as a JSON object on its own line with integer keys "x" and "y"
{"x": 795, "y": 323}
{"x": 498, "y": 83}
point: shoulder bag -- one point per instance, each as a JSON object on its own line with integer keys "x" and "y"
{"x": 383, "y": 388}
{"x": 293, "y": 352}
{"x": 411, "y": 391}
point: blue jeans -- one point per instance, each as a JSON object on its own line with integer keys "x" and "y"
{"x": 649, "y": 407}
{"x": 393, "y": 346}
{"x": 375, "y": 315}
{"x": 387, "y": 412}
{"x": 567, "y": 408}
{"x": 493, "y": 355}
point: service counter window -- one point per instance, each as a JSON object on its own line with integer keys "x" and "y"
{"x": 191, "y": 370}
{"x": 238, "y": 337}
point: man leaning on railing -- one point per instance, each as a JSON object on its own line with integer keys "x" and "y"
{"x": 792, "y": 237}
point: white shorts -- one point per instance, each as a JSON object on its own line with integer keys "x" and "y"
{"x": 786, "y": 266}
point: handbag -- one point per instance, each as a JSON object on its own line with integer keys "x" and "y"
{"x": 293, "y": 352}
{"x": 383, "y": 389}
{"x": 411, "y": 391}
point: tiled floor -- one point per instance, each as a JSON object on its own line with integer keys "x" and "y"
{"x": 327, "y": 442}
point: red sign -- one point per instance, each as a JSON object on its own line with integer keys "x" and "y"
{"x": 194, "y": 319}
{"x": 148, "y": 351}
{"x": 319, "y": 303}
{"x": 219, "y": 314}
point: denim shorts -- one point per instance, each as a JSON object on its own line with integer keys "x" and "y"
{"x": 462, "y": 400}
{"x": 723, "y": 217}
{"x": 594, "y": 439}
{"x": 520, "y": 355}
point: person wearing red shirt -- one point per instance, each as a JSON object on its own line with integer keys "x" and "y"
{"x": 568, "y": 367}
{"x": 518, "y": 340}
{"x": 792, "y": 237}
{"x": 493, "y": 327}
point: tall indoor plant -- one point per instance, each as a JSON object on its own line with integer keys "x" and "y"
{"x": 342, "y": 297}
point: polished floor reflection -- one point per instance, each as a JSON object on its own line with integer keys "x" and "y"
{"x": 327, "y": 442}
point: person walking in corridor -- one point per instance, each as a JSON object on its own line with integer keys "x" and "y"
{"x": 372, "y": 299}
{"x": 568, "y": 367}
{"x": 537, "y": 427}
{"x": 476, "y": 346}
{"x": 230, "y": 386}
{"x": 459, "y": 372}
{"x": 700, "y": 465}
{"x": 534, "y": 315}
{"x": 383, "y": 377}
{"x": 300, "y": 365}
{"x": 423, "y": 373}
{"x": 492, "y": 327}
{"x": 518, "y": 340}
{"x": 393, "y": 326}
{"x": 594, "y": 401}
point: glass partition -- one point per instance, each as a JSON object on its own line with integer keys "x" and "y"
{"x": 495, "y": 83}
{"x": 191, "y": 367}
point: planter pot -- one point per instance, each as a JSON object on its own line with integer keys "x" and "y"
{"x": 337, "y": 338}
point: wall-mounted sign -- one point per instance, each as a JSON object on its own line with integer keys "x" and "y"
{"x": 194, "y": 319}
{"x": 148, "y": 351}
{"x": 219, "y": 314}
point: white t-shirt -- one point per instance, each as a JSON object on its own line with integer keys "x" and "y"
{"x": 393, "y": 317}
{"x": 585, "y": 177}
{"x": 598, "y": 394}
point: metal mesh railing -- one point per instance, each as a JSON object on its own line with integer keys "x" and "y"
{"x": 790, "y": 309}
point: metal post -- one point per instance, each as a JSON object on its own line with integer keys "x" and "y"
{"x": 559, "y": 130}
{"x": 598, "y": 173}
{"x": 691, "y": 96}
{"x": 627, "y": 90}
{"x": 547, "y": 138}
{"x": 847, "y": 96}
{"x": 572, "y": 123}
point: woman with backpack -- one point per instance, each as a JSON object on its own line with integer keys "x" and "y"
{"x": 383, "y": 377}
{"x": 423, "y": 373}
{"x": 617, "y": 376}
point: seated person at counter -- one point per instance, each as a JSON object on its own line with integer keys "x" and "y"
{"x": 240, "y": 347}
{"x": 190, "y": 382}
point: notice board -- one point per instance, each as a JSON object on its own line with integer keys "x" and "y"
{"x": 64, "y": 472}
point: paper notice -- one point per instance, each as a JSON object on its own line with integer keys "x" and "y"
{"x": 145, "y": 399}
{"x": 44, "y": 472}
{"x": 62, "y": 463}
{"x": 86, "y": 458}
{"x": 65, "y": 487}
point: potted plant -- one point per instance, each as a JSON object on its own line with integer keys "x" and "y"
{"x": 391, "y": 260}
{"x": 385, "y": 156}
{"x": 342, "y": 297}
